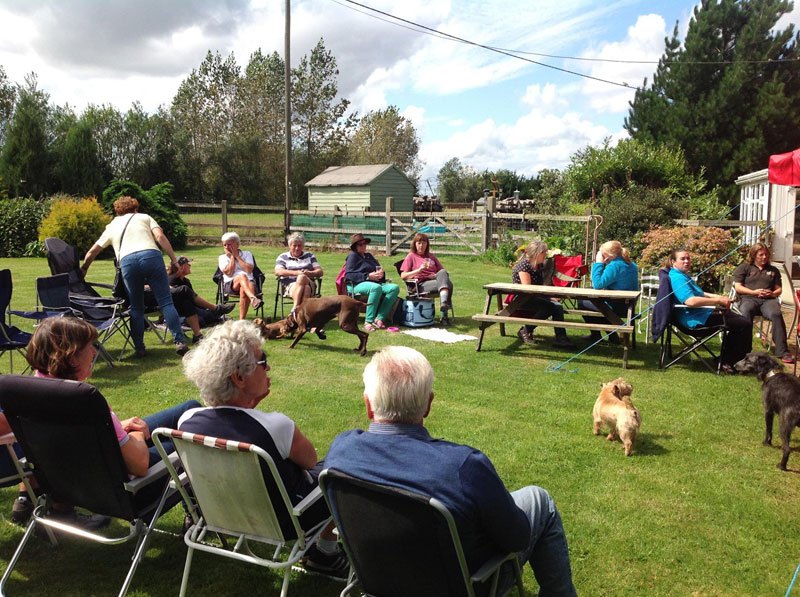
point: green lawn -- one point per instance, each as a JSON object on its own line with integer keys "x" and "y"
{"x": 699, "y": 509}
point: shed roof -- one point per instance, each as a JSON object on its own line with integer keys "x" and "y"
{"x": 350, "y": 176}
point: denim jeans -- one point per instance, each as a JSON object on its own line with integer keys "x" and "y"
{"x": 166, "y": 418}
{"x": 147, "y": 267}
{"x": 547, "y": 551}
{"x": 380, "y": 299}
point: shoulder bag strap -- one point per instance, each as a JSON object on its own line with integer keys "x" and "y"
{"x": 122, "y": 236}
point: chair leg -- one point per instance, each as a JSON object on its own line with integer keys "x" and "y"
{"x": 17, "y": 554}
{"x": 285, "y": 585}
{"x": 186, "y": 567}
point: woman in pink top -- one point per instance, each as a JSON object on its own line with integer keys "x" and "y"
{"x": 423, "y": 266}
{"x": 63, "y": 347}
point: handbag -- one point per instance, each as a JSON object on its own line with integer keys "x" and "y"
{"x": 118, "y": 289}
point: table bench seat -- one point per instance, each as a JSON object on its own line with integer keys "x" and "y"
{"x": 580, "y": 325}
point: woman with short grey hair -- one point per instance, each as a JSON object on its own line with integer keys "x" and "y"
{"x": 296, "y": 269}
{"x": 237, "y": 268}
{"x": 231, "y": 371}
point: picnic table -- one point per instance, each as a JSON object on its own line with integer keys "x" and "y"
{"x": 522, "y": 293}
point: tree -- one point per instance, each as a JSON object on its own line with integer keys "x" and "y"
{"x": 729, "y": 96}
{"x": 459, "y": 182}
{"x": 78, "y": 167}
{"x": 25, "y": 161}
{"x": 8, "y": 94}
{"x": 386, "y": 137}
{"x": 319, "y": 126}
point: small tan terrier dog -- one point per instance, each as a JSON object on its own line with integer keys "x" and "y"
{"x": 615, "y": 409}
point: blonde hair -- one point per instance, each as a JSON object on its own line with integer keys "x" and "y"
{"x": 615, "y": 249}
{"x": 534, "y": 248}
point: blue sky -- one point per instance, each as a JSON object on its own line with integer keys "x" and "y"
{"x": 489, "y": 110}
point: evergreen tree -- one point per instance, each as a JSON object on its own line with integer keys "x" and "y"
{"x": 25, "y": 161}
{"x": 78, "y": 166}
{"x": 729, "y": 95}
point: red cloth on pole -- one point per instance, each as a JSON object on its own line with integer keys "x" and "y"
{"x": 784, "y": 168}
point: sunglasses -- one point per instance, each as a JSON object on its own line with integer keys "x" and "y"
{"x": 263, "y": 361}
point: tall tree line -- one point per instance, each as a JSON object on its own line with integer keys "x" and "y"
{"x": 222, "y": 137}
{"x": 728, "y": 94}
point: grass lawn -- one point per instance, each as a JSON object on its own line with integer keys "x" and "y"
{"x": 699, "y": 509}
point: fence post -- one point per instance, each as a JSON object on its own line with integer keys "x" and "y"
{"x": 388, "y": 226}
{"x": 224, "y": 211}
{"x": 488, "y": 225}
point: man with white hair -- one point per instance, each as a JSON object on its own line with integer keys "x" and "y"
{"x": 237, "y": 273}
{"x": 398, "y": 451}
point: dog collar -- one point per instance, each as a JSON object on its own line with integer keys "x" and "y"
{"x": 769, "y": 374}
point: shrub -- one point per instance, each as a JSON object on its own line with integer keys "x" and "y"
{"x": 157, "y": 202}
{"x": 714, "y": 252}
{"x": 19, "y": 223}
{"x": 78, "y": 222}
{"x": 628, "y": 213}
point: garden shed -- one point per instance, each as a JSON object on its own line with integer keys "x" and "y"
{"x": 361, "y": 188}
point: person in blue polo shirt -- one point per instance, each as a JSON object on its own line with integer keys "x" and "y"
{"x": 398, "y": 451}
{"x": 739, "y": 339}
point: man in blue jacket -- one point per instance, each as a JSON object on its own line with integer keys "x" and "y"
{"x": 397, "y": 451}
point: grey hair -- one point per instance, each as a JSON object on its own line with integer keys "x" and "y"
{"x": 295, "y": 237}
{"x": 227, "y": 349}
{"x": 398, "y": 382}
{"x": 231, "y": 236}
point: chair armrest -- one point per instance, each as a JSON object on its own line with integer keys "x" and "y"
{"x": 307, "y": 501}
{"x": 7, "y": 439}
{"x": 154, "y": 473}
{"x": 490, "y": 566}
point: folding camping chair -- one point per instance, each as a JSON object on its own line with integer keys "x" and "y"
{"x": 404, "y": 543}
{"x": 65, "y": 259}
{"x": 280, "y": 289}
{"x": 224, "y": 297}
{"x": 693, "y": 340}
{"x": 65, "y": 430}
{"x": 240, "y": 494}
{"x": 562, "y": 270}
{"x": 53, "y": 294}
{"x": 12, "y": 339}
{"x": 648, "y": 285}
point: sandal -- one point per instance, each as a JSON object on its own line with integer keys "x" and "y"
{"x": 379, "y": 324}
{"x": 370, "y": 327}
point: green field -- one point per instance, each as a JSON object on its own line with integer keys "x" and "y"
{"x": 699, "y": 509}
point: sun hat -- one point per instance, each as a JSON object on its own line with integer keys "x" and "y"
{"x": 357, "y": 238}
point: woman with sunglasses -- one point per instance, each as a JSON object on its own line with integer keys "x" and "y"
{"x": 230, "y": 369}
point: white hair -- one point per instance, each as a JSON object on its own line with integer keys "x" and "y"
{"x": 231, "y": 236}
{"x": 226, "y": 349}
{"x": 398, "y": 382}
{"x": 296, "y": 237}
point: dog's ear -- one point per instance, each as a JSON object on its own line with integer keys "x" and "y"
{"x": 258, "y": 321}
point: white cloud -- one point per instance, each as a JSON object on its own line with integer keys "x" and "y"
{"x": 645, "y": 42}
{"x": 544, "y": 137}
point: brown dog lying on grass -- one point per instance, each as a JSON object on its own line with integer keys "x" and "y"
{"x": 314, "y": 313}
{"x": 614, "y": 408}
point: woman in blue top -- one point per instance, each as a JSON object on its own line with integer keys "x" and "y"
{"x": 370, "y": 279}
{"x": 739, "y": 339}
{"x": 612, "y": 270}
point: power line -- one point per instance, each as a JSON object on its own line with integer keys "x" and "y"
{"x": 442, "y": 34}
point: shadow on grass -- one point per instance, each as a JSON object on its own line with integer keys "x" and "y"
{"x": 646, "y": 444}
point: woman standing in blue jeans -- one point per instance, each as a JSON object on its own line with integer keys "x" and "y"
{"x": 370, "y": 279}
{"x": 138, "y": 240}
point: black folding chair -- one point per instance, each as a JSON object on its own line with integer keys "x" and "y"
{"x": 693, "y": 341}
{"x": 233, "y": 297}
{"x": 53, "y": 294}
{"x": 65, "y": 430}
{"x": 401, "y": 543}
{"x": 12, "y": 339}
{"x": 414, "y": 288}
{"x": 280, "y": 290}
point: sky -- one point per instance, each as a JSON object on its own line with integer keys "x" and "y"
{"x": 486, "y": 108}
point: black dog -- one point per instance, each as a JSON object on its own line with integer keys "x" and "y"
{"x": 780, "y": 395}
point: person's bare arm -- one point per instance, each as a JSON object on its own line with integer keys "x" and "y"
{"x": 709, "y": 300}
{"x": 302, "y": 451}
{"x": 164, "y": 243}
{"x": 136, "y": 454}
{"x": 90, "y": 256}
{"x": 525, "y": 278}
